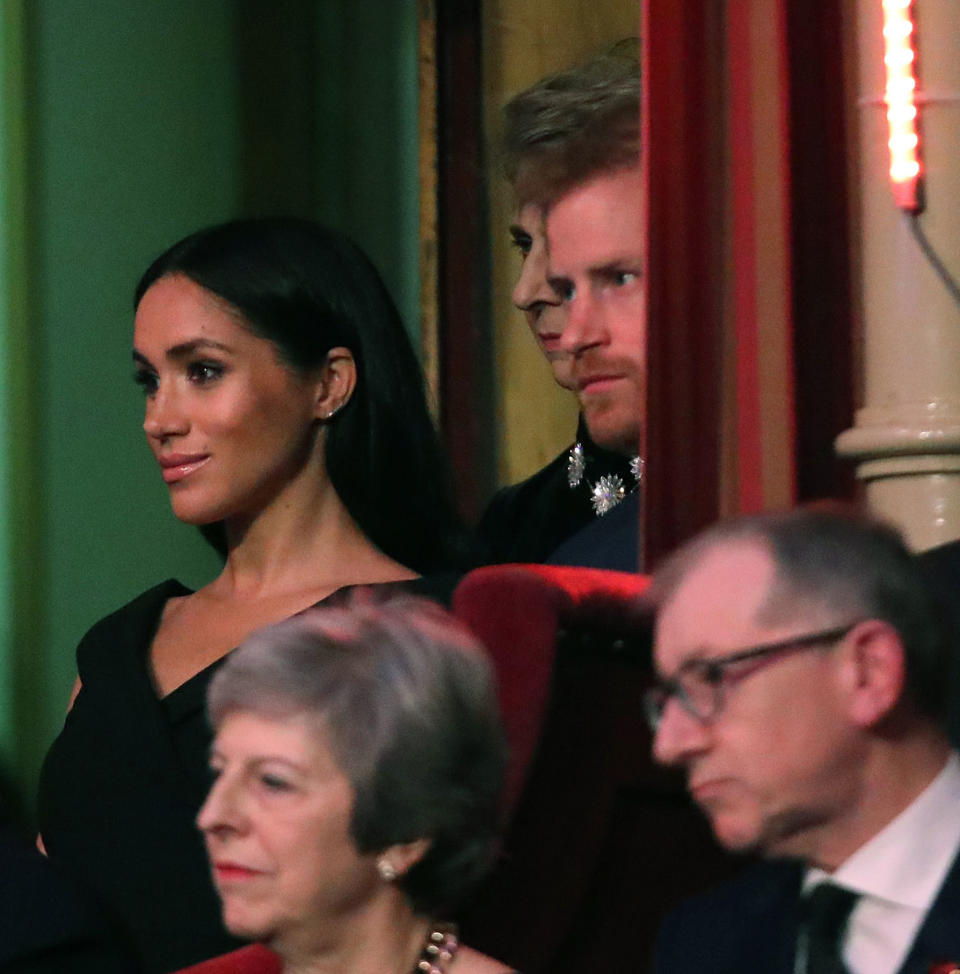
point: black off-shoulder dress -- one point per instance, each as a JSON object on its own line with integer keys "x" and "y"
{"x": 122, "y": 783}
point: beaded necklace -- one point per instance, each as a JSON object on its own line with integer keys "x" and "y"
{"x": 439, "y": 950}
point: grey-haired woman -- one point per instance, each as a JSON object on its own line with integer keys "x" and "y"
{"x": 358, "y": 762}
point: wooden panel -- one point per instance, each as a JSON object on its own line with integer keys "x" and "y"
{"x": 823, "y": 309}
{"x": 462, "y": 247}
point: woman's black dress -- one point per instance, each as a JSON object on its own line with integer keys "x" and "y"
{"x": 122, "y": 784}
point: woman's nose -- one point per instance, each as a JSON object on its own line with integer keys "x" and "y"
{"x": 220, "y": 810}
{"x": 164, "y": 415}
{"x": 532, "y": 286}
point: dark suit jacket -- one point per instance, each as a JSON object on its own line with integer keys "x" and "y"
{"x": 750, "y": 924}
{"x": 529, "y": 521}
{"x": 611, "y": 541}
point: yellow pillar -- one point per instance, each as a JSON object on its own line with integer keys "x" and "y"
{"x": 906, "y": 438}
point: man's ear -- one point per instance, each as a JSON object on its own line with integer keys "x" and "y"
{"x": 877, "y": 671}
{"x": 336, "y": 383}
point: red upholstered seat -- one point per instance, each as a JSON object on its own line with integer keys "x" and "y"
{"x": 518, "y": 611}
{"x": 255, "y": 959}
{"x": 601, "y": 843}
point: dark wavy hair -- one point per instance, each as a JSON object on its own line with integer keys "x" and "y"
{"x": 308, "y": 289}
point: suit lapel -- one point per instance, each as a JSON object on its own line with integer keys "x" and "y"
{"x": 768, "y": 924}
{"x": 939, "y": 938}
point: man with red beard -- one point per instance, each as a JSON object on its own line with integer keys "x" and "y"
{"x": 572, "y": 148}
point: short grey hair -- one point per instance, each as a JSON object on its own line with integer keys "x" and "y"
{"x": 573, "y": 125}
{"x": 840, "y": 564}
{"x": 406, "y": 698}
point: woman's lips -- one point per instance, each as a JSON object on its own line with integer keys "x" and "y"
{"x": 176, "y": 466}
{"x": 227, "y": 872}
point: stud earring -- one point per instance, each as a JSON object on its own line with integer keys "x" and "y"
{"x": 332, "y": 412}
{"x": 387, "y": 873}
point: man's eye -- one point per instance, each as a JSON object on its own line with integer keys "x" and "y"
{"x": 712, "y": 675}
{"x": 622, "y": 278}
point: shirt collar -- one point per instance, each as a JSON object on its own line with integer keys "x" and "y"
{"x": 906, "y": 862}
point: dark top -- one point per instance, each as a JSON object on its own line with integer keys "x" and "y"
{"x": 527, "y": 522}
{"x": 122, "y": 784}
{"x": 47, "y": 926}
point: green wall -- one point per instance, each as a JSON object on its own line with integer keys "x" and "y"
{"x": 12, "y": 302}
{"x": 137, "y": 130}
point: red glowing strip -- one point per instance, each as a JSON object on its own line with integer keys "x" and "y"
{"x": 900, "y": 98}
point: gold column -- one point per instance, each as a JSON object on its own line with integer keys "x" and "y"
{"x": 906, "y": 438}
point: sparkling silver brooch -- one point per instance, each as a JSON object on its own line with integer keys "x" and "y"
{"x": 576, "y": 464}
{"x": 609, "y": 489}
{"x": 607, "y": 492}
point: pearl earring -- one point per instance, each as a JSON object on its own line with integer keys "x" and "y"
{"x": 387, "y": 873}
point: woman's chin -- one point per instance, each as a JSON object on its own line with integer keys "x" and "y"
{"x": 242, "y": 924}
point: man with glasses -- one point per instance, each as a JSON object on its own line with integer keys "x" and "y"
{"x": 801, "y": 688}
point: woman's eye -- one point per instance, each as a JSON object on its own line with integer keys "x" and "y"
{"x": 204, "y": 372}
{"x": 147, "y": 381}
{"x": 273, "y": 782}
{"x": 522, "y": 242}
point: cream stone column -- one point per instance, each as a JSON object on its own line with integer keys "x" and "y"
{"x": 906, "y": 438}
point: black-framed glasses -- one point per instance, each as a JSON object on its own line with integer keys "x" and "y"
{"x": 699, "y": 684}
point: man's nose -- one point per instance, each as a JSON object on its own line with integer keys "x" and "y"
{"x": 584, "y": 327}
{"x": 679, "y": 735}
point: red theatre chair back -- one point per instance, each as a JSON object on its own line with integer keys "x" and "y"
{"x": 601, "y": 843}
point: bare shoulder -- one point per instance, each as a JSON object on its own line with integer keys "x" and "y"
{"x": 472, "y": 962}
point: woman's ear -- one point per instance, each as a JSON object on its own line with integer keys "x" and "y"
{"x": 338, "y": 379}
{"x": 398, "y": 859}
{"x": 877, "y": 671}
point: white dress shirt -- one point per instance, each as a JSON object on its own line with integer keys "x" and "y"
{"x": 898, "y": 874}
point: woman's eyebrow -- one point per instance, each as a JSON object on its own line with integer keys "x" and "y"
{"x": 185, "y": 349}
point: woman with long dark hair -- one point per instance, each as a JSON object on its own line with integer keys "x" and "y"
{"x": 285, "y": 408}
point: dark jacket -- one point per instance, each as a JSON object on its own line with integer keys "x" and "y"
{"x": 750, "y": 924}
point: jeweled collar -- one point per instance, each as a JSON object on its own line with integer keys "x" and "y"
{"x": 606, "y": 477}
